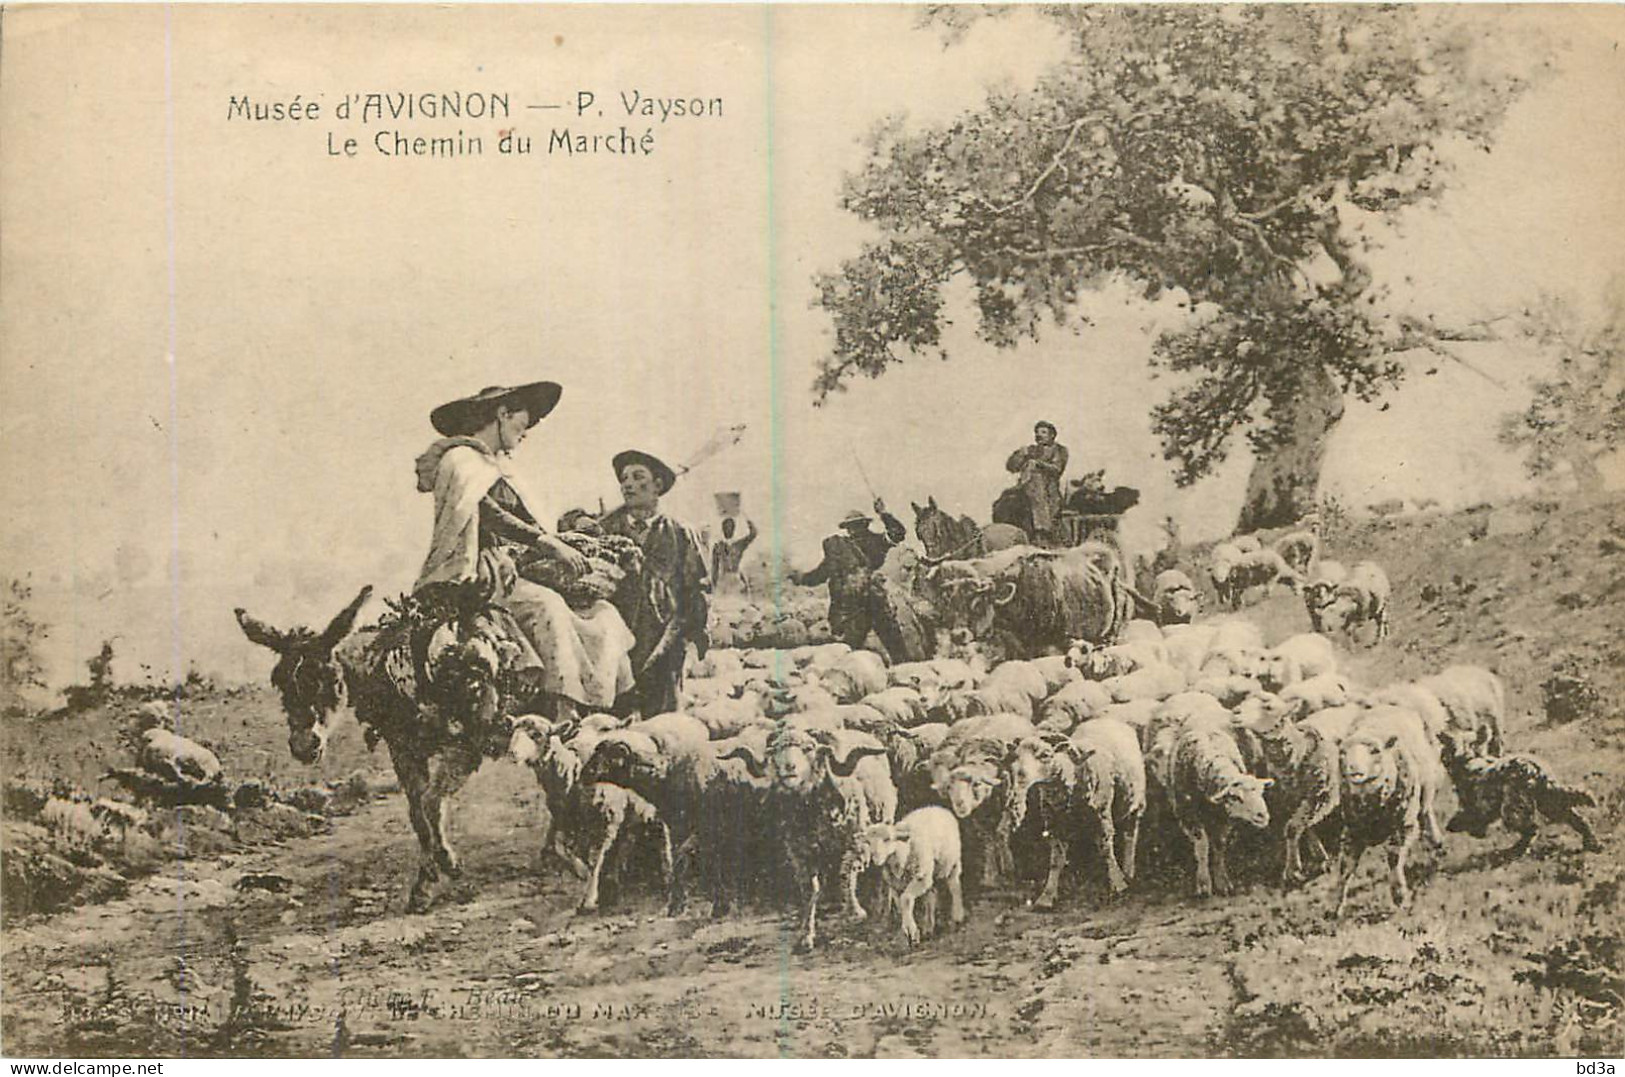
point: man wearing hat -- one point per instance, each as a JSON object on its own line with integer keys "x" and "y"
{"x": 485, "y": 522}
{"x": 1038, "y": 468}
{"x": 666, "y": 604}
{"x": 730, "y": 537}
{"x": 850, "y": 558}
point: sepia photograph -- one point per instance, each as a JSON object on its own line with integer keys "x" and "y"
{"x": 812, "y": 531}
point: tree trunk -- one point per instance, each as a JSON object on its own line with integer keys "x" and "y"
{"x": 1285, "y": 482}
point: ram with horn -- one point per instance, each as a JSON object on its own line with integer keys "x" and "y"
{"x": 826, "y": 787}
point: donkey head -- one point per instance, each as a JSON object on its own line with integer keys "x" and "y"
{"x": 307, "y": 675}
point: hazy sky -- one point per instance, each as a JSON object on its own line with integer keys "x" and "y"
{"x": 220, "y": 344}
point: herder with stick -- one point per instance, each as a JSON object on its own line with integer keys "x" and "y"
{"x": 850, "y": 559}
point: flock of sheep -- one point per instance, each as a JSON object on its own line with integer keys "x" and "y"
{"x": 828, "y": 761}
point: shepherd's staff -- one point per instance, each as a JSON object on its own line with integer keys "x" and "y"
{"x": 724, "y": 437}
{"x": 864, "y": 475}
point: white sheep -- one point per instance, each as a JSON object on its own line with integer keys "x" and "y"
{"x": 1308, "y": 654}
{"x": 1473, "y": 698}
{"x": 1256, "y": 568}
{"x": 1187, "y": 646}
{"x": 1108, "y": 797}
{"x": 176, "y": 759}
{"x": 1231, "y": 690}
{"x": 1303, "y": 698}
{"x": 900, "y": 706}
{"x": 1210, "y": 790}
{"x": 1298, "y": 549}
{"x": 1361, "y": 597}
{"x": 1056, "y": 671}
{"x": 914, "y": 856}
{"x": 1116, "y": 660}
{"x": 1236, "y": 633}
{"x": 852, "y": 676}
{"x": 1303, "y": 759}
{"x": 1175, "y": 597}
{"x": 1019, "y": 676}
{"x": 1077, "y": 702}
{"x": 1390, "y": 777}
{"x": 1140, "y": 630}
{"x": 1148, "y": 682}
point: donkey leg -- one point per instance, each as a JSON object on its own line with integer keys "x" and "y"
{"x": 447, "y": 774}
{"x": 414, "y": 776}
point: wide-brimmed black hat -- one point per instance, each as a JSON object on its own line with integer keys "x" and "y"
{"x": 468, "y": 414}
{"x": 665, "y": 477}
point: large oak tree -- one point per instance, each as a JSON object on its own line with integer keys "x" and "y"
{"x": 1220, "y": 152}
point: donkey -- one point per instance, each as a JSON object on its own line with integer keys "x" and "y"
{"x": 425, "y": 682}
{"x": 958, "y": 538}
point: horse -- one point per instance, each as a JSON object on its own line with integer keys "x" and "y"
{"x": 426, "y": 680}
{"x": 952, "y": 538}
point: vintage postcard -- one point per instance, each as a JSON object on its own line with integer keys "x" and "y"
{"x": 811, "y": 531}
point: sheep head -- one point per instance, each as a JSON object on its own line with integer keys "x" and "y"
{"x": 970, "y": 784}
{"x": 1242, "y": 799}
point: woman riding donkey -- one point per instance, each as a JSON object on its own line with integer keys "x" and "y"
{"x": 486, "y": 530}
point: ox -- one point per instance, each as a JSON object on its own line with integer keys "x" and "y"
{"x": 1026, "y": 602}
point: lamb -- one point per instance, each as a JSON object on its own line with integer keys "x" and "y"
{"x": 1473, "y": 698}
{"x": 1297, "y": 549}
{"x": 1303, "y": 758}
{"x": 1518, "y": 789}
{"x": 1258, "y": 568}
{"x": 540, "y": 744}
{"x": 1210, "y": 791}
{"x": 914, "y": 856}
{"x": 1361, "y": 597}
{"x": 1387, "y": 787}
{"x": 668, "y": 760}
{"x": 604, "y": 812}
{"x": 1297, "y": 658}
{"x": 1175, "y": 598}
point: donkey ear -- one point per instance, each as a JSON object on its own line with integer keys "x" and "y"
{"x": 918, "y": 510}
{"x": 340, "y": 626}
{"x": 931, "y": 501}
{"x": 261, "y": 633}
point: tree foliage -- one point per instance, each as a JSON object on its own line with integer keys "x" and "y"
{"x": 1218, "y": 151}
{"x": 1577, "y": 415}
{"x": 21, "y": 633}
